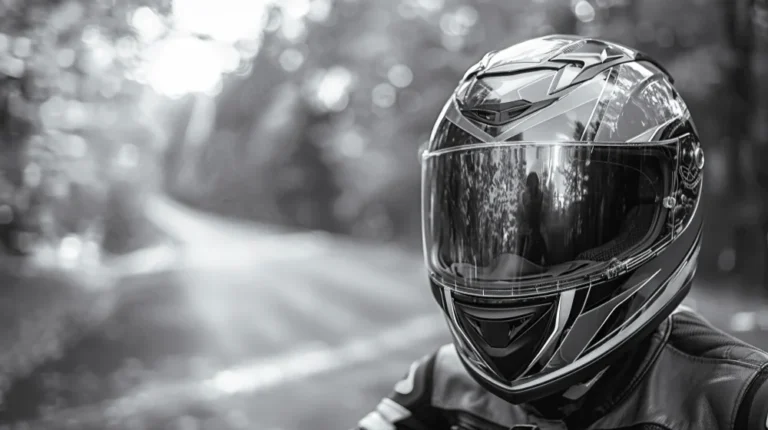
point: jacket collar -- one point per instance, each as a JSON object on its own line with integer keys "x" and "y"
{"x": 615, "y": 384}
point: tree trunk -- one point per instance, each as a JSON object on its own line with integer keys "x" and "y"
{"x": 738, "y": 120}
{"x": 760, "y": 130}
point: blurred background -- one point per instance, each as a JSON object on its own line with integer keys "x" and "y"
{"x": 209, "y": 211}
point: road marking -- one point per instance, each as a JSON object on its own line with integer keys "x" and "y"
{"x": 259, "y": 375}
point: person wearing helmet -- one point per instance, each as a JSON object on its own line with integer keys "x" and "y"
{"x": 561, "y": 232}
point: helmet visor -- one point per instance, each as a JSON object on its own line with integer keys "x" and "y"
{"x": 517, "y": 218}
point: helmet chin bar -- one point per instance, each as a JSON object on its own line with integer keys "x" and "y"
{"x": 665, "y": 286}
{"x": 563, "y": 310}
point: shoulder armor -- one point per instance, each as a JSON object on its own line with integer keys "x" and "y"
{"x": 437, "y": 392}
{"x": 415, "y": 389}
{"x": 409, "y": 406}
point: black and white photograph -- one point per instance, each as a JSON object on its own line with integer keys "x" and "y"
{"x": 384, "y": 214}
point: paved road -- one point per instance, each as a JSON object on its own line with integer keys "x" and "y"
{"x": 243, "y": 328}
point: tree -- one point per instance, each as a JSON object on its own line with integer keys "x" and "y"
{"x": 760, "y": 119}
{"x": 738, "y": 118}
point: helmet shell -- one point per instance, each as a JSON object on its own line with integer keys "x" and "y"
{"x": 570, "y": 90}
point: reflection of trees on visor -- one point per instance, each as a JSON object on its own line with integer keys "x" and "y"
{"x": 510, "y": 211}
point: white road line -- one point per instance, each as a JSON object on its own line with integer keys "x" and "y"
{"x": 260, "y": 375}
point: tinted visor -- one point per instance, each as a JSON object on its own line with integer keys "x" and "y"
{"x": 517, "y": 218}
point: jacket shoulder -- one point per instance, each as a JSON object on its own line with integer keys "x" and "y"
{"x": 437, "y": 392}
{"x": 699, "y": 378}
{"x": 469, "y": 403}
{"x": 409, "y": 405}
{"x": 697, "y": 338}
{"x": 694, "y": 336}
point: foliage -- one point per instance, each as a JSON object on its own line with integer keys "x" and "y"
{"x": 309, "y": 113}
{"x": 373, "y": 75}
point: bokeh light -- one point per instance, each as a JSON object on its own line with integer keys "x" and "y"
{"x": 584, "y": 11}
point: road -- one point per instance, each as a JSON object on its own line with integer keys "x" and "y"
{"x": 239, "y": 327}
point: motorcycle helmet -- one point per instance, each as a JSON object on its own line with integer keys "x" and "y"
{"x": 560, "y": 188}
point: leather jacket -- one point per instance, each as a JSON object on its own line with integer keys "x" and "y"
{"x": 687, "y": 375}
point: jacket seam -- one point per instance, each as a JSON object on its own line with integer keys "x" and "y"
{"x": 701, "y": 321}
{"x": 743, "y": 392}
{"x": 727, "y": 352}
{"x": 726, "y": 360}
{"x": 721, "y": 360}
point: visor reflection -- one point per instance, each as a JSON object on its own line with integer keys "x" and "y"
{"x": 517, "y": 212}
